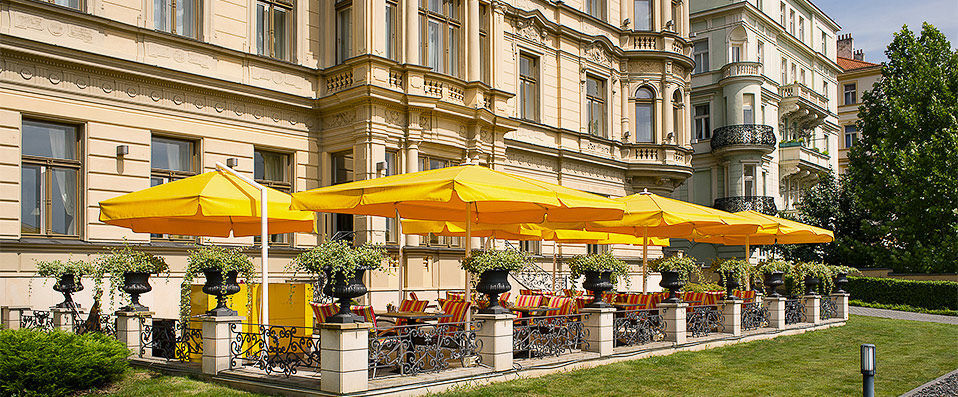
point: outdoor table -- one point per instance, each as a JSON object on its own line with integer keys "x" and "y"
{"x": 628, "y": 306}
{"x": 414, "y": 317}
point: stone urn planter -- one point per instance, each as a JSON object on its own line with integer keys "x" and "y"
{"x": 344, "y": 290}
{"x": 494, "y": 283}
{"x": 136, "y": 283}
{"x": 597, "y": 282}
{"x": 840, "y": 281}
{"x": 67, "y": 285}
{"x": 672, "y": 282}
{"x": 810, "y": 284}
{"x": 731, "y": 283}
{"x": 220, "y": 285}
{"x": 773, "y": 280}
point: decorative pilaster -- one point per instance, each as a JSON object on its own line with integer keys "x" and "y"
{"x": 813, "y": 309}
{"x": 841, "y": 300}
{"x": 495, "y": 336}
{"x": 776, "y": 312}
{"x": 411, "y": 39}
{"x": 732, "y": 316}
{"x": 598, "y": 325}
{"x": 12, "y": 316}
{"x": 344, "y": 352}
{"x": 675, "y": 327}
{"x": 129, "y": 328}
{"x": 216, "y": 342}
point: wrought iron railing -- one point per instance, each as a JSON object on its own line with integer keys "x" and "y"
{"x": 703, "y": 320}
{"x": 763, "y": 204}
{"x": 743, "y": 134}
{"x": 794, "y": 311}
{"x": 535, "y": 277}
{"x": 37, "y": 319}
{"x": 171, "y": 339}
{"x": 638, "y": 327}
{"x": 105, "y": 324}
{"x": 754, "y": 316}
{"x": 422, "y": 348}
{"x": 828, "y": 308}
{"x": 274, "y": 348}
{"x": 543, "y": 336}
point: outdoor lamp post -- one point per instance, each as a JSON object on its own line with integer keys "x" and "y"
{"x": 868, "y": 370}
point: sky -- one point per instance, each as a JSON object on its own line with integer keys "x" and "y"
{"x": 872, "y": 22}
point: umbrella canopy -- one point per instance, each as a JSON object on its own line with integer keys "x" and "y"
{"x": 656, "y": 216}
{"x": 524, "y": 232}
{"x": 781, "y": 231}
{"x": 212, "y": 204}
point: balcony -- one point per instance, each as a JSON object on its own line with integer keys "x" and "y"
{"x": 763, "y": 204}
{"x": 659, "y": 168}
{"x": 743, "y": 136}
{"x": 803, "y": 105}
{"x": 801, "y": 164}
{"x": 736, "y": 70}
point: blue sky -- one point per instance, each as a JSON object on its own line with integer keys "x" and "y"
{"x": 872, "y": 22}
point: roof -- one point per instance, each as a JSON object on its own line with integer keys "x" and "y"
{"x": 851, "y": 64}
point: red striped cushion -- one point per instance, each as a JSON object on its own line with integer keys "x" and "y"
{"x": 366, "y": 312}
{"x": 556, "y": 301}
{"x": 504, "y": 298}
{"x": 324, "y": 311}
{"x": 457, "y": 309}
{"x": 567, "y": 306}
{"x": 459, "y": 296}
{"x": 528, "y": 300}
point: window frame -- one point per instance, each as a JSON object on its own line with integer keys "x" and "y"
{"x": 602, "y": 101}
{"x": 532, "y": 80}
{"x": 285, "y": 186}
{"x": 635, "y": 15}
{"x": 269, "y": 44}
{"x": 392, "y": 30}
{"x": 343, "y": 36}
{"x": 853, "y": 92}
{"x": 450, "y": 25}
{"x": 853, "y": 133}
{"x": 748, "y": 109}
{"x": 700, "y": 67}
{"x": 81, "y": 5}
{"x": 348, "y": 156}
{"x": 702, "y": 123}
{"x": 594, "y": 7}
{"x": 174, "y": 175}
{"x": 425, "y": 163}
{"x": 171, "y": 8}
{"x": 649, "y": 103}
{"x": 45, "y": 165}
{"x": 391, "y": 233}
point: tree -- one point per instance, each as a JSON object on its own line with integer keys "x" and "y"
{"x": 904, "y": 170}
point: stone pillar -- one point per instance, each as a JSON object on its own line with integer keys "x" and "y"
{"x": 495, "y": 334}
{"x": 473, "y": 63}
{"x": 667, "y": 15}
{"x": 411, "y": 38}
{"x": 62, "y": 318}
{"x": 412, "y": 165}
{"x": 667, "y": 113}
{"x": 598, "y": 324}
{"x": 674, "y": 316}
{"x": 129, "y": 326}
{"x": 344, "y": 352}
{"x": 776, "y": 312}
{"x": 11, "y": 316}
{"x": 842, "y": 302}
{"x": 216, "y": 342}
{"x": 813, "y": 309}
{"x": 732, "y": 316}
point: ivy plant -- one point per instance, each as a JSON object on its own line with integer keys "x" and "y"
{"x": 479, "y": 261}
{"x": 599, "y": 262}
{"x": 56, "y": 268}
{"x": 685, "y": 266}
{"x": 122, "y": 260}
{"x": 738, "y": 269}
{"x": 214, "y": 257}
{"x": 338, "y": 257}
{"x": 817, "y": 270}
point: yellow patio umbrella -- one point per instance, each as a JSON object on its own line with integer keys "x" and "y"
{"x": 214, "y": 204}
{"x": 467, "y": 193}
{"x": 776, "y": 231}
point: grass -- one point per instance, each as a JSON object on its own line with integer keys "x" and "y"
{"x": 906, "y": 308}
{"x": 145, "y": 383}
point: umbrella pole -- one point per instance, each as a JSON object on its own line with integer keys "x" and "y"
{"x": 555, "y": 265}
{"x": 645, "y": 259}
{"x": 468, "y": 246}
{"x": 748, "y": 259}
{"x": 401, "y": 239}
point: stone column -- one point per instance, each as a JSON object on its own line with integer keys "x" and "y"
{"x": 11, "y": 316}
{"x": 62, "y": 318}
{"x": 129, "y": 326}
{"x": 412, "y": 165}
{"x": 495, "y": 335}
{"x": 842, "y": 302}
{"x": 216, "y": 342}
{"x": 776, "y": 311}
{"x": 344, "y": 352}
{"x": 473, "y": 71}
{"x": 667, "y": 113}
{"x": 813, "y": 309}
{"x": 674, "y": 315}
{"x": 732, "y": 316}
{"x": 598, "y": 324}
{"x": 667, "y": 14}
{"x": 411, "y": 38}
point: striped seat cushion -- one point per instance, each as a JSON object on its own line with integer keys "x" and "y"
{"x": 748, "y": 296}
{"x": 608, "y": 297}
{"x": 504, "y": 298}
{"x": 366, "y": 312}
{"x": 711, "y": 298}
{"x": 457, "y": 309}
{"x": 528, "y": 300}
{"x": 556, "y": 301}
{"x": 410, "y": 305}
{"x": 458, "y": 296}
{"x": 572, "y": 292}
{"x": 324, "y": 311}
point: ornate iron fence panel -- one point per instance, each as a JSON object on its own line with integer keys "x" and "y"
{"x": 754, "y": 316}
{"x": 794, "y": 311}
{"x": 274, "y": 348}
{"x": 763, "y": 204}
{"x": 171, "y": 339}
{"x": 37, "y": 319}
{"x": 829, "y": 308}
{"x": 422, "y": 348}
{"x": 703, "y": 320}
{"x": 543, "y": 336}
{"x": 638, "y": 327}
{"x": 743, "y": 134}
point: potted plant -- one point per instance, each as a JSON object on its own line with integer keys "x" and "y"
{"x": 601, "y": 271}
{"x": 733, "y": 273}
{"x": 67, "y": 276}
{"x": 343, "y": 267}
{"x": 774, "y": 272}
{"x": 811, "y": 278}
{"x": 221, "y": 267}
{"x": 492, "y": 268}
{"x": 135, "y": 268}
{"x": 840, "y": 275}
{"x": 676, "y": 271}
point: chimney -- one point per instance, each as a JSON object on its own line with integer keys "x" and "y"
{"x": 846, "y": 46}
{"x": 859, "y": 55}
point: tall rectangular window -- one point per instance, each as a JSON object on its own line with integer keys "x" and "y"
{"x": 595, "y": 105}
{"x": 74, "y": 4}
{"x": 171, "y": 159}
{"x": 803, "y": 76}
{"x": 531, "y": 247}
{"x": 760, "y": 52}
{"x": 782, "y": 14}
{"x": 700, "y": 52}
{"x": 595, "y": 8}
{"x": 824, "y": 44}
{"x": 794, "y": 76}
{"x": 791, "y": 21}
{"x": 703, "y": 128}
{"x": 528, "y": 87}
{"x": 736, "y": 53}
{"x": 748, "y": 179}
{"x": 49, "y": 179}
{"x": 392, "y": 30}
{"x": 342, "y": 172}
{"x": 642, "y": 15}
{"x": 392, "y": 168}
{"x": 271, "y": 169}
{"x": 343, "y": 29}
{"x": 801, "y": 28}
{"x": 784, "y": 71}
{"x": 851, "y": 94}
{"x": 484, "y": 42}
{"x": 272, "y": 29}
{"x": 180, "y": 17}
{"x": 851, "y": 135}
{"x": 441, "y": 24}
{"x": 748, "y": 108}
{"x": 434, "y": 163}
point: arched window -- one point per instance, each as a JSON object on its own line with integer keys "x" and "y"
{"x": 644, "y": 114}
{"x": 677, "y": 117}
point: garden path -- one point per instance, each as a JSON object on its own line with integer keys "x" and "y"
{"x": 900, "y": 315}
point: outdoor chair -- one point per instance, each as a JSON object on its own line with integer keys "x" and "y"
{"x": 573, "y": 292}
{"x": 747, "y": 296}
{"x": 324, "y": 311}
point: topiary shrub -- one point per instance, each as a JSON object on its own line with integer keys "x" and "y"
{"x": 57, "y": 363}
{"x": 934, "y": 295}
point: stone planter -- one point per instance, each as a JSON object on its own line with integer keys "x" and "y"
{"x": 672, "y": 282}
{"x": 810, "y": 284}
{"x": 597, "y": 282}
{"x": 344, "y": 290}
{"x": 731, "y": 283}
{"x": 773, "y": 280}
{"x": 493, "y": 283}
{"x": 67, "y": 285}
{"x": 840, "y": 281}
{"x": 220, "y": 285}
{"x": 136, "y": 283}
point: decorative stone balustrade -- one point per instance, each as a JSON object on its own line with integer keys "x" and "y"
{"x": 737, "y": 69}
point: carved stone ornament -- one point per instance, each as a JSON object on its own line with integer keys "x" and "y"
{"x": 597, "y": 54}
{"x": 529, "y": 29}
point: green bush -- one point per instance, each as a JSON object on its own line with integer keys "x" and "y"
{"x": 934, "y": 295}
{"x": 57, "y": 363}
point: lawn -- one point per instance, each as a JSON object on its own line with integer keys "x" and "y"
{"x": 812, "y": 364}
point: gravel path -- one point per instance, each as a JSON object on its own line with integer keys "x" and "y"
{"x": 946, "y": 385}
{"x": 900, "y": 315}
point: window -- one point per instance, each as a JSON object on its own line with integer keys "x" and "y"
{"x": 703, "y": 129}
{"x": 441, "y": 24}
{"x": 434, "y": 163}
{"x": 803, "y": 76}
{"x": 343, "y": 28}
{"x": 825, "y": 88}
{"x": 759, "y": 51}
{"x": 824, "y": 44}
{"x": 49, "y": 176}
{"x": 272, "y": 29}
{"x": 793, "y": 73}
{"x": 643, "y": 15}
{"x": 851, "y": 135}
{"x": 74, "y": 4}
{"x": 392, "y": 168}
{"x": 528, "y": 87}
{"x": 736, "y": 53}
{"x": 801, "y": 28}
{"x": 791, "y": 21}
{"x": 272, "y": 169}
{"x": 851, "y": 94}
{"x": 748, "y": 180}
{"x": 531, "y": 247}
{"x": 748, "y": 108}
{"x": 592, "y": 249}
{"x": 392, "y": 30}
{"x": 700, "y": 51}
{"x": 644, "y": 114}
{"x": 171, "y": 159}
{"x": 782, "y": 14}
{"x": 595, "y": 105}
{"x": 342, "y": 172}
{"x": 176, "y": 16}
{"x": 784, "y": 71}
{"x": 596, "y": 8}
{"x": 484, "y": 42}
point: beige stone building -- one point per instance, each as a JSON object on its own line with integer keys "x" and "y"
{"x": 857, "y": 77}
{"x": 592, "y": 94}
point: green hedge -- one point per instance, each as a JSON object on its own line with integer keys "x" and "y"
{"x": 935, "y": 295}
{"x": 57, "y": 363}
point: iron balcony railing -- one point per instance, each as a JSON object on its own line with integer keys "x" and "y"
{"x": 743, "y": 134}
{"x": 763, "y": 204}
